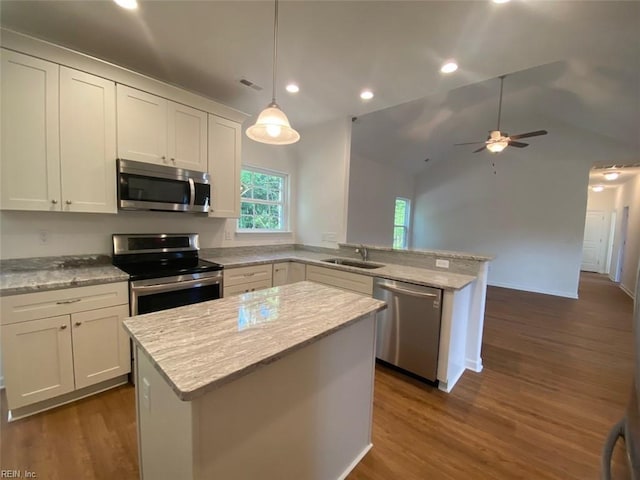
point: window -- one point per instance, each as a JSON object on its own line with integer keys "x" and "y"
{"x": 263, "y": 203}
{"x": 401, "y": 223}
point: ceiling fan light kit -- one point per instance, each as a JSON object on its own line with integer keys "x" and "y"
{"x": 497, "y": 140}
{"x": 272, "y": 126}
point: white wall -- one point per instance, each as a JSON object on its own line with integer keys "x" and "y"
{"x": 628, "y": 195}
{"x": 530, "y": 214}
{"x": 373, "y": 188}
{"x": 323, "y": 180}
{"x": 21, "y": 233}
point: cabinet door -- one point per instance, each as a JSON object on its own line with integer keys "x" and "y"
{"x": 87, "y": 142}
{"x": 297, "y": 272}
{"x": 37, "y": 360}
{"x": 100, "y": 345}
{"x": 187, "y": 137}
{"x": 30, "y": 152}
{"x": 345, "y": 280}
{"x": 224, "y": 167}
{"x": 142, "y": 126}
{"x": 280, "y": 273}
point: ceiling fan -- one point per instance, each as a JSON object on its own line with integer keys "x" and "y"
{"x": 497, "y": 140}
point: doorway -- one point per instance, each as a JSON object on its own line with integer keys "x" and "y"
{"x": 594, "y": 242}
{"x": 624, "y": 224}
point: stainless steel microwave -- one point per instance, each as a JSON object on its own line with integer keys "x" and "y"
{"x": 145, "y": 186}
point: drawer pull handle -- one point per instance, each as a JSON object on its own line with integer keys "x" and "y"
{"x": 249, "y": 274}
{"x": 54, "y": 201}
{"x": 63, "y": 327}
{"x": 64, "y": 302}
{"x": 78, "y": 324}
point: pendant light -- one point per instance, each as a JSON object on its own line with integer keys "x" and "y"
{"x": 273, "y": 126}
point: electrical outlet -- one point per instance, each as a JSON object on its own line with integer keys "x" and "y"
{"x": 146, "y": 394}
{"x": 43, "y": 236}
{"x": 227, "y": 235}
{"x": 442, "y": 263}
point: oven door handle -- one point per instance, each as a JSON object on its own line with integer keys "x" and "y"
{"x": 167, "y": 287}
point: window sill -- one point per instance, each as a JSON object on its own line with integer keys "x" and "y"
{"x": 263, "y": 232}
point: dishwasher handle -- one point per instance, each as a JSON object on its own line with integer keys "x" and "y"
{"x": 404, "y": 291}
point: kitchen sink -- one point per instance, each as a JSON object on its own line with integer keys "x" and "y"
{"x": 353, "y": 263}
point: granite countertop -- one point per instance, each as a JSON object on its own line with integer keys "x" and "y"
{"x": 31, "y": 275}
{"x": 200, "y": 347}
{"x": 440, "y": 253}
{"x": 420, "y": 276}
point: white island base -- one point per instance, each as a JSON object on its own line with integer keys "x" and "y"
{"x": 306, "y": 415}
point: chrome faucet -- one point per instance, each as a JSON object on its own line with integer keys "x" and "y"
{"x": 364, "y": 253}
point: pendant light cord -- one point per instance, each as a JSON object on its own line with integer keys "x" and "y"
{"x": 275, "y": 52}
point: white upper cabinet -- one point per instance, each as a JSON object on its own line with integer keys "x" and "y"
{"x": 58, "y": 138}
{"x": 187, "y": 137}
{"x": 87, "y": 142}
{"x": 155, "y": 130}
{"x": 225, "y": 137}
{"x": 30, "y": 152}
{"x": 142, "y": 126}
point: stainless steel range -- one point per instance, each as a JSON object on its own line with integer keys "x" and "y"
{"x": 165, "y": 271}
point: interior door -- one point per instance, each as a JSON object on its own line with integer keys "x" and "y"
{"x": 594, "y": 242}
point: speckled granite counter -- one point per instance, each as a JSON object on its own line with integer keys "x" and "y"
{"x": 51, "y": 273}
{"x": 200, "y": 347}
{"x": 421, "y": 276}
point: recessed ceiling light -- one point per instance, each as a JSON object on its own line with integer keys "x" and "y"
{"x": 597, "y": 188}
{"x": 366, "y": 95}
{"x": 128, "y": 4}
{"x": 611, "y": 175}
{"x": 449, "y": 67}
{"x": 292, "y": 88}
{"x": 500, "y": 1}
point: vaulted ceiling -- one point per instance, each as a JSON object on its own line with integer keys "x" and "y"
{"x": 578, "y": 62}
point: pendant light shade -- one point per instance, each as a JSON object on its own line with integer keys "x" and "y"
{"x": 273, "y": 126}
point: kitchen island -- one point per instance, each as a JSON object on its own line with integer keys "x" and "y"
{"x": 272, "y": 384}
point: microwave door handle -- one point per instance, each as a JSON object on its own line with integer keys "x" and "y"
{"x": 192, "y": 187}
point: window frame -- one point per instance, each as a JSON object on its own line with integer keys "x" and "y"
{"x": 284, "y": 203}
{"x": 406, "y": 226}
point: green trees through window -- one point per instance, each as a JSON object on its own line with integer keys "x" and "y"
{"x": 401, "y": 223}
{"x": 262, "y": 204}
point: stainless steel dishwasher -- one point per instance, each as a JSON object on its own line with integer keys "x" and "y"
{"x": 408, "y": 332}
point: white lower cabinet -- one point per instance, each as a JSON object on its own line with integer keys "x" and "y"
{"x": 288, "y": 272}
{"x": 247, "y": 279}
{"x": 45, "y": 358}
{"x": 353, "y": 282}
{"x": 37, "y": 359}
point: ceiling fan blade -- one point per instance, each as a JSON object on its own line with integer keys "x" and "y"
{"x": 468, "y": 143}
{"x": 480, "y": 149}
{"x": 529, "y": 134}
{"x": 517, "y": 144}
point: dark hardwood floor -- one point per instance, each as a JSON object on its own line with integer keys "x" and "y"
{"x": 556, "y": 377}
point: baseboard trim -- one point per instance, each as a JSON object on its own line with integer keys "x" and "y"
{"x": 555, "y": 293}
{"x": 627, "y": 291}
{"x": 28, "y": 410}
{"x": 355, "y": 462}
{"x": 448, "y": 386}
{"x": 474, "y": 365}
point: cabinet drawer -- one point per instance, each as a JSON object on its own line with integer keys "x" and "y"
{"x": 345, "y": 280}
{"x": 236, "y": 276}
{"x": 246, "y": 287}
{"x": 30, "y": 306}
